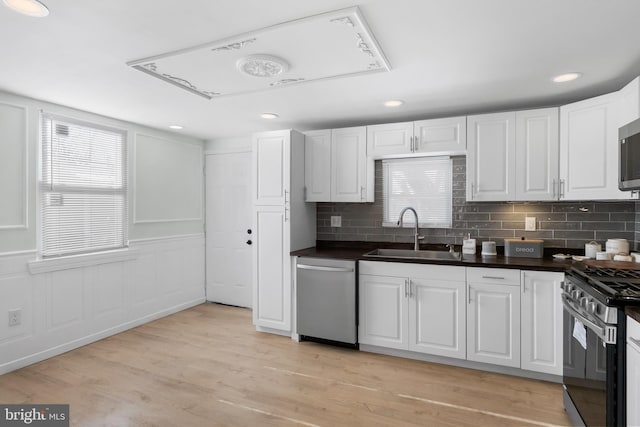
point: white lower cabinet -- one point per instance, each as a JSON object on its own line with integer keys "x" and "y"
{"x": 493, "y": 316}
{"x": 541, "y": 326}
{"x": 633, "y": 372}
{"x": 413, "y": 307}
{"x": 500, "y": 316}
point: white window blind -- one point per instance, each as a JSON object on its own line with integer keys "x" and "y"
{"x": 83, "y": 187}
{"x": 425, "y": 184}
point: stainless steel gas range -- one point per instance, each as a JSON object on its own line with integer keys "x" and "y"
{"x": 594, "y": 343}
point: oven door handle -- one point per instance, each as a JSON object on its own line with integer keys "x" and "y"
{"x": 323, "y": 268}
{"x": 605, "y": 333}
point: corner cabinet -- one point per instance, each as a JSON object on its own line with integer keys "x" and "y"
{"x": 493, "y": 316}
{"x": 337, "y": 168}
{"x": 541, "y": 326}
{"x": 282, "y": 222}
{"x": 413, "y": 307}
{"x": 425, "y": 137}
{"x": 513, "y": 156}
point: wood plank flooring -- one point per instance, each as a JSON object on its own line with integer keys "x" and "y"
{"x": 207, "y": 366}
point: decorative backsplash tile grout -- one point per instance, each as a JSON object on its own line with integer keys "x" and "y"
{"x": 560, "y": 224}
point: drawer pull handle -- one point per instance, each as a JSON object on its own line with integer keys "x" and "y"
{"x": 493, "y": 277}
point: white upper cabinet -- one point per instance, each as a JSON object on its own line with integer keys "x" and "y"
{"x": 436, "y": 136}
{"x": 337, "y": 168}
{"x": 513, "y": 156}
{"x": 317, "y": 171}
{"x": 271, "y": 165}
{"x": 425, "y": 137}
{"x": 629, "y": 102}
{"x": 491, "y": 157}
{"x": 589, "y": 149}
{"x": 537, "y": 149}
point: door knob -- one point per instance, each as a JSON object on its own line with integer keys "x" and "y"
{"x": 249, "y": 231}
{"x": 249, "y": 242}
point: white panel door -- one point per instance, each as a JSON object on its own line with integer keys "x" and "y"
{"x": 389, "y": 139}
{"x": 383, "y": 311}
{"x": 349, "y": 164}
{"x": 272, "y": 268}
{"x": 271, "y": 151}
{"x": 493, "y": 324}
{"x": 437, "y": 317}
{"x": 228, "y": 226}
{"x": 537, "y": 150}
{"x": 317, "y": 166}
{"x": 541, "y": 322}
{"x": 441, "y": 135}
{"x": 491, "y": 157}
{"x": 589, "y": 149}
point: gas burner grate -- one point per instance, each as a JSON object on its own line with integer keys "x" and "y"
{"x": 600, "y": 272}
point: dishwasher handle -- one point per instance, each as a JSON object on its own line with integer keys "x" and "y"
{"x": 322, "y": 268}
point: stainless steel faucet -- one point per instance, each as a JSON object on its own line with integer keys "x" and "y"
{"x": 416, "y": 236}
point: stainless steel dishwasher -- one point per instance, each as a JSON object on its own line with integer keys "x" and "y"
{"x": 326, "y": 300}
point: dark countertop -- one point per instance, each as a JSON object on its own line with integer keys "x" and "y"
{"x": 633, "y": 312}
{"x": 356, "y": 251}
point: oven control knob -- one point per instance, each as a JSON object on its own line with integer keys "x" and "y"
{"x": 584, "y": 302}
{"x": 576, "y": 294}
{"x": 568, "y": 287}
{"x": 592, "y": 307}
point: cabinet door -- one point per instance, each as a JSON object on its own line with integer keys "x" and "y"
{"x": 349, "y": 165}
{"x": 317, "y": 166}
{"x": 389, "y": 139}
{"x": 493, "y": 324}
{"x": 541, "y": 322}
{"x": 633, "y": 374}
{"x": 589, "y": 149}
{"x": 271, "y": 163}
{"x": 441, "y": 135}
{"x": 437, "y": 317}
{"x": 491, "y": 157}
{"x": 383, "y": 311}
{"x": 271, "y": 268}
{"x": 537, "y": 150}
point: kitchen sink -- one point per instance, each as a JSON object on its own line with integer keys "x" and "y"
{"x": 411, "y": 254}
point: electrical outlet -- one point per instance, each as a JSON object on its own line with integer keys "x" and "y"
{"x": 15, "y": 317}
{"x": 336, "y": 221}
{"x": 530, "y": 223}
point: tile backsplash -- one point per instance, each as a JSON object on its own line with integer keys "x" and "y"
{"x": 560, "y": 224}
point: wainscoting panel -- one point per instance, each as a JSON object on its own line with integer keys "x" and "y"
{"x": 66, "y": 309}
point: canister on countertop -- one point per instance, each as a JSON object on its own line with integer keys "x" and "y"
{"x": 531, "y": 248}
{"x": 489, "y": 248}
{"x": 591, "y": 248}
{"x": 616, "y": 246}
{"x": 468, "y": 245}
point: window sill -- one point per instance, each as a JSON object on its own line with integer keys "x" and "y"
{"x": 40, "y": 266}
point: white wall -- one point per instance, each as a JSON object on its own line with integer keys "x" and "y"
{"x": 68, "y": 303}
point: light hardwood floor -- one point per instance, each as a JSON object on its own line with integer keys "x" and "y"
{"x": 207, "y": 366}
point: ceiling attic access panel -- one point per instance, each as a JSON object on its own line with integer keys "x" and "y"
{"x": 335, "y": 44}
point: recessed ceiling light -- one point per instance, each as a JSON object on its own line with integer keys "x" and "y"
{"x": 269, "y": 116}
{"x": 562, "y": 78}
{"x": 393, "y": 103}
{"x": 176, "y": 127}
{"x": 28, "y": 7}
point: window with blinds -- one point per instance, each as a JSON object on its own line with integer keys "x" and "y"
{"x": 425, "y": 184}
{"x": 83, "y": 187}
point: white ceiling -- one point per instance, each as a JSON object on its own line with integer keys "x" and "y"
{"x": 447, "y": 58}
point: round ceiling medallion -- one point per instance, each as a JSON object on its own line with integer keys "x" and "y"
{"x": 262, "y": 65}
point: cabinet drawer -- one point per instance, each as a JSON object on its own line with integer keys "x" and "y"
{"x": 504, "y": 276}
